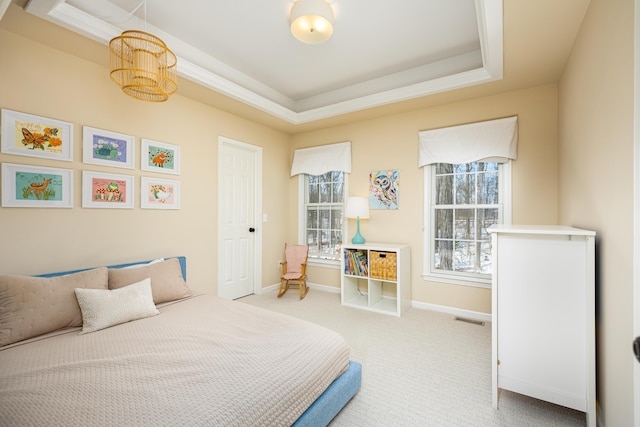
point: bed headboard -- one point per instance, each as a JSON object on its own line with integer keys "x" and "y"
{"x": 182, "y": 259}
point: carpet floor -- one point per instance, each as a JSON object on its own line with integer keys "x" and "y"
{"x": 421, "y": 369}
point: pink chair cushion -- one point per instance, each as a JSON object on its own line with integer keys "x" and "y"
{"x": 296, "y": 255}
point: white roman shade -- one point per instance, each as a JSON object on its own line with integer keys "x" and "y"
{"x": 493, "y": 140}
{"x": 322, "y": 159}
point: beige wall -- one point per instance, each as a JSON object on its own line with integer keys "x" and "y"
{"x": 49, "y": 83}
{"x": 392, "y": 143}
{"x": 574, "y": 167}
{"x": 596, "y": 184}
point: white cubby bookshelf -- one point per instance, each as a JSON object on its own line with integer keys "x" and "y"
{"x": 376, "y": 277}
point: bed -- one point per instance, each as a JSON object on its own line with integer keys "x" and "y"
{"x": 136, "y": 347}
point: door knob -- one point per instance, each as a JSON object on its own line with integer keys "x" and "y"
{"x": 251, "y": 229}
{"x": 636, "y": 348}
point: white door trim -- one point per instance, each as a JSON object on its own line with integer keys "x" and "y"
{"x": 257, "y": 241}
{"x": 636, "y": 207}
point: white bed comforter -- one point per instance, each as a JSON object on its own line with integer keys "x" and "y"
{"x": 202, "y": 361}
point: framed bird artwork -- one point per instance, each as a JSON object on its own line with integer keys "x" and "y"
{"x": 383, "y": 189}
{"x": 156, "y": 193}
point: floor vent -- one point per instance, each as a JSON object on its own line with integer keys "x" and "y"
{"x": 472, "y": 321}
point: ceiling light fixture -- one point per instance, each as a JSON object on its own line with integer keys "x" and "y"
{"x": 143, "y": 66}
{"x": 311, "y": 21}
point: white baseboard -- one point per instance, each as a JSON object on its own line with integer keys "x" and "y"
{"x": 468, "y": 314}
{"x": 268, "y": 289}
{"x": 324, "y": 288}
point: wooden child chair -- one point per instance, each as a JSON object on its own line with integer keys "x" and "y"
{"x": 294, "y": 269}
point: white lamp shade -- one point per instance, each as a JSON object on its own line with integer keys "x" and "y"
{"x": 311, "y": 21}
{"x": 357, "y": 207}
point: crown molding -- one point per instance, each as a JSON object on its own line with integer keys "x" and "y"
{"x": 202, "y": 69}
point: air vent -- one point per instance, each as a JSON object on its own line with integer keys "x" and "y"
{"x": 472, "y": 321}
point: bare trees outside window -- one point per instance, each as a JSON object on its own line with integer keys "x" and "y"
{"x": 324, "y": 204}
{"x": 465, "y": 202}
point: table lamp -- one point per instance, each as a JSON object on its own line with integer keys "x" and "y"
{"x": 357, "y": 207}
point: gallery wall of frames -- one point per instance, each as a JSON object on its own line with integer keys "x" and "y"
{"x": 52, "y": 187}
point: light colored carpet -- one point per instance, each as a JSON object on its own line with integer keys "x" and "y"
{"x": 423, "y": 369}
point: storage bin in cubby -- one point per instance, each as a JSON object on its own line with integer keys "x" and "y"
{"x": 383, "y": 265}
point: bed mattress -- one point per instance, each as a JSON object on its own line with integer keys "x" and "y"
{"x": 201, "y": 361}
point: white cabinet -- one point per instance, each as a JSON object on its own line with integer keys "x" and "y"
{"x": 543, "y": 316}
{"x": 375, "y": 276}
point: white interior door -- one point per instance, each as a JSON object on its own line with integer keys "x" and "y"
{"x": 239, "y": 234}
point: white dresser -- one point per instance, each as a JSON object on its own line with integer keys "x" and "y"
{"x": 543, "y": 315}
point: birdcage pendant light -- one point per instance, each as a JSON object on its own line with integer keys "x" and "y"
{"x": 143, "y": 66}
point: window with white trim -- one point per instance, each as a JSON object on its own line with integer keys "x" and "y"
{"x": 322, "y": 213}
{"x": 461, "y": 202}
{"x": 467, "y": 181}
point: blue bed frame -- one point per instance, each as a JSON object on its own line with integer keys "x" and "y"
{"x": 325, "y": 407}
{"x": 183, "y": 267}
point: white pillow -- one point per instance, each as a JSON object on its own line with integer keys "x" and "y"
{"x": 142, "y": 264}
{"x": 104, "y": 308}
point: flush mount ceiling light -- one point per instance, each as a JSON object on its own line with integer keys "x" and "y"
{"x": 311, "y": 21}
{"x": 143, "y": 66}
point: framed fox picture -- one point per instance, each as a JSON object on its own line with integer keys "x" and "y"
{"x": 160, "y": 157}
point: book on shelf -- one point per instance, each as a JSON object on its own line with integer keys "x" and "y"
{"x": 356, "y": 263}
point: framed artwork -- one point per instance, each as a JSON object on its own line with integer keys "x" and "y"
{"x": 107, "y": 190}
{"x": 106, "y": 148}
{"x": 159, "y": 193}
{"x": 383, "y": 189}
{"x": 159, "y": 157}
{"x": 25, "y": 186}
{"x": 28, "y": 135}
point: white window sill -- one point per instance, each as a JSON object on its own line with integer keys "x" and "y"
{"x": 456, "y": 280}
{"x": 326, "y": 263}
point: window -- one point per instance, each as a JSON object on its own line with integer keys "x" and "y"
{"x": 462, "y": 202}
{"x": 323, "y": 209}
{"x": 467, "y": 189}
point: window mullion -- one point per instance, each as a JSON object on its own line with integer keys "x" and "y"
{"x": 318, "y": 226}
{"x": 470, "y": 186}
